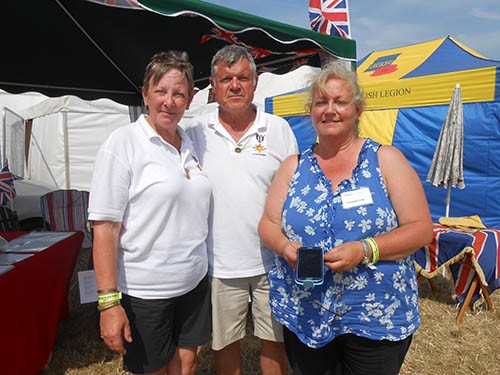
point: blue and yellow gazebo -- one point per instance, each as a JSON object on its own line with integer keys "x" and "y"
{"x": 407, "y": 92}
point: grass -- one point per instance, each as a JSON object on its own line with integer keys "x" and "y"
{"x": 440, "y": 346}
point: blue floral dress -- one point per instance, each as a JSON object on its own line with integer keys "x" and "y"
{"x": 376, "y": 304}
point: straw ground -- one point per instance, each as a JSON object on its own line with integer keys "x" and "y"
{"x": 440, "y": 346}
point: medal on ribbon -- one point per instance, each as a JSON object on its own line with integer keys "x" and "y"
{"x": 260, "y": 144}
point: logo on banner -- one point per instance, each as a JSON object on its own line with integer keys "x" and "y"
{"x": 383, "y": 65}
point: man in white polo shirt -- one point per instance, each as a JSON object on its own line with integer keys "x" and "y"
{"x": 240, "y": 149}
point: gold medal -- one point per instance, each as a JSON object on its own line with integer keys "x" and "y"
{"x": 259, "y": 146}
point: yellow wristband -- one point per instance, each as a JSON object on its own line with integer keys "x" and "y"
{"x": 107, "y": 305}
{"x": 375, "y": 249}
{"x": 116, "y": 296}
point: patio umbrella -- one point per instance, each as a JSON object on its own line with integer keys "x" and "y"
{"x": 447, "y": 163}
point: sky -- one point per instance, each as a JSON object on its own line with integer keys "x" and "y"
{"x": 379, "y": 25}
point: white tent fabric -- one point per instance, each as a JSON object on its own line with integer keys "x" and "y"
{"x": 18, "y": 102}
{"x": 11, "y": 105}
{"x": 268, "y": 84}
{"x": 65, "y": 137}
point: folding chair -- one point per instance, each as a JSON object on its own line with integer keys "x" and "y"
{"x": 66, "y": 210}
{"x": 9, "y": 221}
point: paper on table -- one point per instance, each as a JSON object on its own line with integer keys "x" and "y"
{"x": 36, "y": 241}
{"x": 4, "y": 244}
{"x": 11, "y": 258}
{"x": 5, "y": 269}
{"x": 87, "y": 286}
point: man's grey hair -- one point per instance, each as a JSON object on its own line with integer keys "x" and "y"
{"x": 230, "y": 55}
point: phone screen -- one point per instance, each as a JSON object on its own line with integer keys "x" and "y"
{"x": 310, "y": 264}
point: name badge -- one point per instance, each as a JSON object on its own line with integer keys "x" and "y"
{"x": 355, "y": 198}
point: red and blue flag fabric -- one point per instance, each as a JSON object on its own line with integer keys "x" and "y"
{"x": 330, "y": 17}
{"x": 298, "y": 57}
{"x": 7, "y": 188}
{"x": 221, "y": 34}
{"x": 466, "y": 254}
{"x": 119, "y": 3}
{"x": 66, "y": 210}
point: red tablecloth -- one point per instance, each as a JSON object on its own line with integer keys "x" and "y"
{"x": 466, "y": 254}
{"x": 34, "y": 299}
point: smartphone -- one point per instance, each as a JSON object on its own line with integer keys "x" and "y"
{"x": 310, "y": 266}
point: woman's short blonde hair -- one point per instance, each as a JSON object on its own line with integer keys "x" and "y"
{"x": 340, "y": 70}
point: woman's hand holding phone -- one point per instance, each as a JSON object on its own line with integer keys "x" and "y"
{"x": 310, "y": 266}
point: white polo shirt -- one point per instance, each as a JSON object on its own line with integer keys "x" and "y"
{"x": 141, "y": 181}
{"x": 240, "y": 181}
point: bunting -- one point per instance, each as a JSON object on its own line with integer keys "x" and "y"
{"x": 7, "y": 188}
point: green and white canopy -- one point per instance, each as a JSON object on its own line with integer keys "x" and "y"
{"x": 88, "y": 49}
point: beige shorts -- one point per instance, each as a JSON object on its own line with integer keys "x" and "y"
{"x": 230, "y": 305}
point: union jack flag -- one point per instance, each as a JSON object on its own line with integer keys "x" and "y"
{"x": 259, "y": 53}
{"x": 220, "y": 33}
{"x": 330, "y": 17}
{"x": 7, "y": 188}
{"x": 466, "y": 254}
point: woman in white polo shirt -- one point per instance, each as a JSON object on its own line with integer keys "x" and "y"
{"x": 149, "y": 203}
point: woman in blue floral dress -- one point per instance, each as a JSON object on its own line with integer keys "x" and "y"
{"x": 364, "y": 205}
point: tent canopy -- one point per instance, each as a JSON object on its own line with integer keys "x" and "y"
{"x": 425, "y": 74}
{"x": 79, "y": 47}
{"x": 407, "y": 93}
{"x": 63, "y": 138}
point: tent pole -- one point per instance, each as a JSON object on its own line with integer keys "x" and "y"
{"x": 66, "y": 150}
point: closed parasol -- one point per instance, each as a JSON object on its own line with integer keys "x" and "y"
{"x": 447, "y": 163}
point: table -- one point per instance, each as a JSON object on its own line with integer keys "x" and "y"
{"x": 34, "y": 299}
{"x": 473, "y": 260}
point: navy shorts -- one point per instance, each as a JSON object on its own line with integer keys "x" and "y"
{"x": 159, "y": 326}
{"x": 346, "y": 355}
